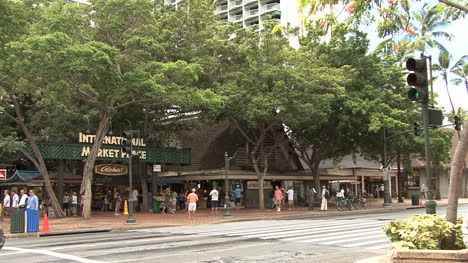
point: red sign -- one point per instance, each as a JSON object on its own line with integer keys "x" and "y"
{"x": 2, "y": 174}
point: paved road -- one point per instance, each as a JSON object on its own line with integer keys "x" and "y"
{"x": 325, "y": 239}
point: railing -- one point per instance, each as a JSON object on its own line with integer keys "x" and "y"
{"x": 234, "y": 4}
{"x": 271, "y": 7}
{"x": 221, "y": 8}
{"x": 236, "y": 18}
{"x": 252, "y": 12}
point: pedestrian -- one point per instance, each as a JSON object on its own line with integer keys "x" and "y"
{"x": 106, "y": 203}
{"x": 6, "y": 202}
{"x": 118, "y": 202}
{"x": 325, "y": 195}
{"x": 271, "y": 195}
{"x": 182, "y": 201}
{"x": 135, "y": 199}
{"x": 14, "y": 201}
{"x": 382, "y": 190}
{"x": 66, "y": 203}
{"x": 74, "y": 201}
{"x": 238, "y": 194}
{"x": 311, "y": 197}
{"x": 423, "y": 191}
{"x": 23, "y": 200}
{"x": 167, "y": 201}
{"x": 339, "y": 199}
{"x": 33, "y": 201}
{"x": 82, "y": 201}
{"x": 278, "y": 198}
{"x": 290, "y": 194}
{"x": 174, "y": 201}
{"x": 192, "y": 203}
{"x": 214, "y": 201}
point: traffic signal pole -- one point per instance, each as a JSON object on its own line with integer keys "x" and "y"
{"x": 430, "y": 203}
{"x": 420, "y": 93}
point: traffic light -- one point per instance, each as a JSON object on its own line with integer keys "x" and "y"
{"x": 127, "y": 142}
{"x": 416, "y": 129}
{"x": 457, "y": 123}
{"x": 418, "y": 79}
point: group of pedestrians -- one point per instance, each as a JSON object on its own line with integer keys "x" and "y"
{"x": 14, "y": 202}
{"x": 281, "y": 199}
{"x": 70, "y": 204}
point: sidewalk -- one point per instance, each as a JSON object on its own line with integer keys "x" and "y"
{"x": 108, "y": 221}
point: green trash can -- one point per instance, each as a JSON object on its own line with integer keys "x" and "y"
{"x": 415, "y": 199}
{"x": 17, "y": 222}
{"x": 157, "y": 200}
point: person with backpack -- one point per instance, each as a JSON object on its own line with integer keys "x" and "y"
{"x": 325, "y": 196}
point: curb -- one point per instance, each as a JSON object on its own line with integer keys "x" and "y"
{"x": 74, "y": 232}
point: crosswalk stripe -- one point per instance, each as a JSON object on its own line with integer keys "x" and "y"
{"x": 368, "y": 243}
{"x": 270, "y": 229}
{"x": 314, "y": 229}
{"x": 328, "y": 236}
{"x": 387, "y": 246}
{"x": 344, "y": 240}
{"x": 280, "y": 225}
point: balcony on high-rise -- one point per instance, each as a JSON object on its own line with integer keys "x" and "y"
{"x": 272, "y": 8}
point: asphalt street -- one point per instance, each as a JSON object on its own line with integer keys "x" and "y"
{"x": 321, "y": 239}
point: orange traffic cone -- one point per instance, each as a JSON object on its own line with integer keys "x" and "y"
{"x": 45, "y": 224}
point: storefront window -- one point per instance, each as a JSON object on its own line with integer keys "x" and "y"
{"x": 414, "y": 179}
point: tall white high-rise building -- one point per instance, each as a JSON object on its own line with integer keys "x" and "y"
{"x": 254, "y": 12}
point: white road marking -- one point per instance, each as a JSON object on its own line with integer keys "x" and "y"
{"x": 368, "y": 243}
{"x": 53, "y": 254}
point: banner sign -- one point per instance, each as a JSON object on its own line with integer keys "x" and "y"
{"x": 2, "y": 174}
{"x": 254, "y": 185}
{"x": 111, "y": 169}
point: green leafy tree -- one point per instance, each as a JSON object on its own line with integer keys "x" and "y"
{"x": 107, "y": 59}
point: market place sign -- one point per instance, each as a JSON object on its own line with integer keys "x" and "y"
{"x": 111, "y": 169}
{"x": 2, "y": 174}
{"x": 111, "y": 140}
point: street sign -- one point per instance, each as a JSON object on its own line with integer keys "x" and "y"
{"x": 2, "y": 174}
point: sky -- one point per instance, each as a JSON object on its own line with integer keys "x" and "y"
{"x": 458, "y": 47}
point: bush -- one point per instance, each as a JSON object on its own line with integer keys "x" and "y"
{"x": 423, "y": 232}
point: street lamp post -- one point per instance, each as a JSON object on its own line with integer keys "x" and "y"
{"x": 387, "y": 200}
{"x": 130, "y": 219}
{"x": 227, "y": 211}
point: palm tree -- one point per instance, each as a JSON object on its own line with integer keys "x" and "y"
{"x": 461, "y": 71}
{"x": 443, "y": 67}
{"x": 430, "y": 21}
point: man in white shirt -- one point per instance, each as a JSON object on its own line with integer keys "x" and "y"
{"x": 325, "y": 194}
{"x": 214, "y": 201}
{"x": 14, "y": 201}
{"x": 6, "y": 202}
{"x": 135, "y": 198}
{"x": 290, "y": 194}
{"x": 23, "y": 199}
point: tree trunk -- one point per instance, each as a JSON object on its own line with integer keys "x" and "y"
{"x": 437, "y": 186}
{"x": 400, "y": 179}
{"x": 261, "y": 193}
{"x": 60, "y": 184}
{"x": 456, "y": 173}
{"x": 91, "y": 160}
{"x": 144, "y": 187}
{"x": 38, "y": 162}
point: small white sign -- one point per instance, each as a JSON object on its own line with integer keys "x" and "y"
{"x": 156, "y": 168}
